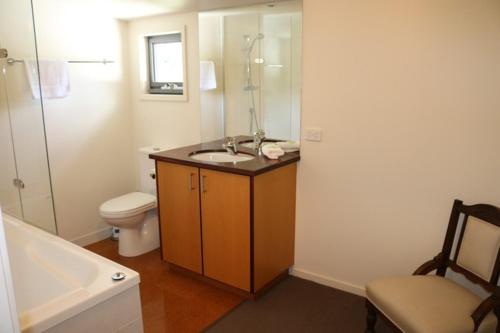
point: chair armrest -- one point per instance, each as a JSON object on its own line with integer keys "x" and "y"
{"x": 481, "y": 312}
{"x": 430, "y": 265}
{"x": 489, "y": 304}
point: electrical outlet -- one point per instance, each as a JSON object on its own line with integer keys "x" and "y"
{"x": 313, "y": 134}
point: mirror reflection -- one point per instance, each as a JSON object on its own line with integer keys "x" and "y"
{"x": 250, "y": 71}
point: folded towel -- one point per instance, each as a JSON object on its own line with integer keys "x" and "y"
{"x": 207, "y": 75}
{"x": 272, "y": 151}
{"x": 54, "y": 78}
{"x": 289, "y": 146}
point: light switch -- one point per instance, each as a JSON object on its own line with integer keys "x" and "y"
{"x": 313, "y": 134}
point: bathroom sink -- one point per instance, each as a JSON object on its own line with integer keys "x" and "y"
{"x": 220, "y": 157}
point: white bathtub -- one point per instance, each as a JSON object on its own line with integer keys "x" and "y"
{"x": 61, "y": 287}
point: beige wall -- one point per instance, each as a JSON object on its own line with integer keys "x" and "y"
{"x": 89, "y": 132}
{"x": 407, "y": 95}
{"x": 167, "y": 124}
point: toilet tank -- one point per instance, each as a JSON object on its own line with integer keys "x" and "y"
{"x": 147, "y": 169}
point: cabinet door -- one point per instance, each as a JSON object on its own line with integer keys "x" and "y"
{"x": 179, "y": 207}
{"x": 225, "y": 209}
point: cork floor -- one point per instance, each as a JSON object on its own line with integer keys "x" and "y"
{"x": 171, "y": 302}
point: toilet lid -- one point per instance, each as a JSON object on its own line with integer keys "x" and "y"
{"x": 135, "y": 202}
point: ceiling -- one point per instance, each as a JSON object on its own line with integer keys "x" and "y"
{"x": 130, "y": 9}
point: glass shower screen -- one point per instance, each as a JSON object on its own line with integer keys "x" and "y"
{"x": 25, "y": 187}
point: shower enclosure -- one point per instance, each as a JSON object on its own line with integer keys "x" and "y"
{"x": 256, "y": 51}
{"x": 249, "y": 85}
{"x": 25, "y": 187}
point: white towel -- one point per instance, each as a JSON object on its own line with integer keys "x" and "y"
{"x": 54, "y": 78}
{"x": 272, "y": 151}
{"x": 207, "y": 75}
{"x": 289, "y": 146}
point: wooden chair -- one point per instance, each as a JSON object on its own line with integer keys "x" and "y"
{"x": 434, "y": 304}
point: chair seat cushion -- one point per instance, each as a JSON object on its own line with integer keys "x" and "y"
{"x": 427, "y": 304}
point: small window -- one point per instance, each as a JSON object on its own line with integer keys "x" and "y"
{"x": 166, "y": 68}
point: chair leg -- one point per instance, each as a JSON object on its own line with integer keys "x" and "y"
{"x": 496, "y": 310}
{"x": 371, "y": 317}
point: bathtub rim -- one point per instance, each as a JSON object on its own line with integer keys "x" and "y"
{"x": 9, "y": 316}
{"x": 40, "y": 320}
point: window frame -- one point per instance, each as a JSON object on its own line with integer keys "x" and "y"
{"x": 156, "y": 87}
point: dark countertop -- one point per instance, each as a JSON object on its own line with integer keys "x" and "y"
{"x": 256, "y": 166}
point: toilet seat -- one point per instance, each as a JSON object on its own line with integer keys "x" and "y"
{"x": 128, "y": 205}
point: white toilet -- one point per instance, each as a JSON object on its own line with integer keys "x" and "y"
{"x": 135, "y": 213}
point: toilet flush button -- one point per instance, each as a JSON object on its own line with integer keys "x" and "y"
{"x": 118, "y": 276}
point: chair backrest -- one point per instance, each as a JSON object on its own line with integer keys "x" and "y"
{"x": 476, "y": 254}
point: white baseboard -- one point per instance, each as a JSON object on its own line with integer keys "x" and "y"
{"x": 328, "y": 281}
{"x": 92, "y": 237}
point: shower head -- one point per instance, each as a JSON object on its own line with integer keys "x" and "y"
{"x": 251, "y": 42}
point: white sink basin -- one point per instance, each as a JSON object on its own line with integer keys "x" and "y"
{"x": 222, "y": 157}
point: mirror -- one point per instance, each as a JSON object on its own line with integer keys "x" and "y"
{"x": 250, "y": 71}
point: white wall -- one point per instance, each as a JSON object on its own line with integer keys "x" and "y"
{"x": 407, "y": 94}
{"x": 93, "y": 133}
{"x": 90, "y": 135}
{"x": 167, "y": 124}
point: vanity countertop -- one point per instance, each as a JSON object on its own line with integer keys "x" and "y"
{"x": 256, "y": 166}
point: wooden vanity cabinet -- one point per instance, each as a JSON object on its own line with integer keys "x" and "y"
{"x": 273, "y": 224}
{"x": 225, "y": 215}
{"x": 179, "y": 208}
{"x": 232, "y": 228}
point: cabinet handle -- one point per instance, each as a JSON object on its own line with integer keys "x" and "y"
{"x": 191, "y": 187}
{"x": 203, "y": 187}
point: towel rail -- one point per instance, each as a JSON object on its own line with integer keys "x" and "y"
{"x": 12, "y": 61}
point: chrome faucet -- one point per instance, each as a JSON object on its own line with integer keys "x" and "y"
{"x": 231, "y": 145}
{"x": 258, "y": 140}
